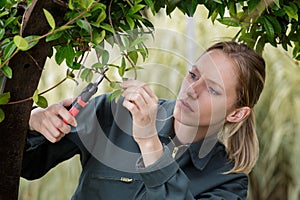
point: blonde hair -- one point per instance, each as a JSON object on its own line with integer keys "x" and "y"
{"x": 240, "y": 139}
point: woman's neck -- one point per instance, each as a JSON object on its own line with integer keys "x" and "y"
{"x": 187, "y": 134}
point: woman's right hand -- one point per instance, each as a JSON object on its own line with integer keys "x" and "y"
{"x": 49, "y": 121}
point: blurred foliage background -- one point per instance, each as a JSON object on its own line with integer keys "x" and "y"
{"x": 177, "y": 43}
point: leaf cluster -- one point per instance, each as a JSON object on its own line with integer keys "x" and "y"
{"x": 261, "y": 22}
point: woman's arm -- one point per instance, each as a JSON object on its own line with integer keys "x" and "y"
{"x": 140, "y": 100}
{"x": 40, "y": 155}
{"x": 45, "y": 147}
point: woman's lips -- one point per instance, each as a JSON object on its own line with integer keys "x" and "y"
{"x": 185, "y": 105}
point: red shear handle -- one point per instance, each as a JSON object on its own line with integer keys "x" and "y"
{"x": 82, "y": 100}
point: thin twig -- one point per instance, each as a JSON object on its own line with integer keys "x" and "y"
{"x": 30, "y": 98}
{"x": 54, "y": 86}
{"x": 34, "y": 60}
{"x": 20, "y": 101}
{"x": 8, "y": 59}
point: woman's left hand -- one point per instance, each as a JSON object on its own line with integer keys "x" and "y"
{"x": 141, "y": 101}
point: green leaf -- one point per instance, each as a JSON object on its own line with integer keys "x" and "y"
{"x": 98, "y": 37}
{"x": 4, "y": 13}
{"x": 97, "y": 65}
{"x": 137, "y": 41}
{"x": 115, "y": 95}
{"x": 2, "y": 115}
{"x": 123, "y": 63}
{"x": 150, "y": 3}
{"x": 49, "y": 18}
{"x": 83, "y": 24}
{"x": 143, "y": 52}
{"x": 108, "y": 28}
{"x": 75, "y": 65}
{"x": 105, "y": 57}
{"x": 86, "y": 75}
{"x": 229, "y": 21}
{"x": 101, "y": 17}
{"x": 115, "y": 85}
{"x": 275, "y": 23}
{"x": 291, "y": 11}
{"x": 133, "y": 56}
{"x": 130, "y": 21}
{"x": 2, "y": 32}
{"x": 276, "y": 2}
{"x": 214, "y": 15}
{"x": 7, "y": 71}
{"x": 42, "y": 102}
{"x": 218, "y": 1}
{"x": 87, "y": 3}
{"x": 70, "y": 5}
{"x": 9, "y": 50}
{"x": 54, "y": 36}
{"x": 65, "y": 52}
{"x": 232, "y": 8}
{"x": 121, "y": 71}
{"x": 8, "y": 21}
{"x": 4, "y": 98}
{"x": 35, "y": 96}
{"x": 135, "y": 8}
{"x": 32, "y": 41}
{"x": 20, "y": 42}
{"x": 62, "y": 28}
{"x": 268, "y": 27}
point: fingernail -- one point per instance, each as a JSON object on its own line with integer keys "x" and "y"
{"x": 75, "y": 123}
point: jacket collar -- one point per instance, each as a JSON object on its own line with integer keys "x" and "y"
{"x": 200, "y": 152}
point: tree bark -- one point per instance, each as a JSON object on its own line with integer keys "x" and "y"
{"x": 27, "y": 68}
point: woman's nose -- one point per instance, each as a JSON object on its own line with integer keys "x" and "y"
{"x": 195, "y": 88}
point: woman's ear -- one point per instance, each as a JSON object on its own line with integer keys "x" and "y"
{"x": 239, "y": 114}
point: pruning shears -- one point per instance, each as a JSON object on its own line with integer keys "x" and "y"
{"x": 82, "y": 99}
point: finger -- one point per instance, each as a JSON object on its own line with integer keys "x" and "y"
{"x": 132, "y": 107}
{"x": 150, "y": 92}
{"x": 133, "y": 92}
{"x": 138, "y": 100}
{"x": 132, "y": 83}
{"x": 65, "y": 114}
{"x": 50, "y": 132}
{"x": 66, "y": 102}
{"x": 54, "y": 123}
{"x": 60, "y": 125}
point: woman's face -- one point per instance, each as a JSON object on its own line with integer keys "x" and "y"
{"x": 208, "y": 91}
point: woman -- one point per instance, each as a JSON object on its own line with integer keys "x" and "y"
{"x": 203, "y": 151}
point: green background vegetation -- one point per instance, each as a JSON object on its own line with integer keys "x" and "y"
{"x": 278, "y": 111}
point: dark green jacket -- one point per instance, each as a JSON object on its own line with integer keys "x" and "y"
{"x": 113, "y": 168}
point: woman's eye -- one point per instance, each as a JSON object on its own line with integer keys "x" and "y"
{"x": 212, "y": 91}
{"x": 193, "y": 75}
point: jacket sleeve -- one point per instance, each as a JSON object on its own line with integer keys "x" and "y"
{"x": 165, "y": 180}
{"x": 40, "y": 155}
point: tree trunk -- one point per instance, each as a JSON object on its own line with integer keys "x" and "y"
{"x": 27, "y": 68}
